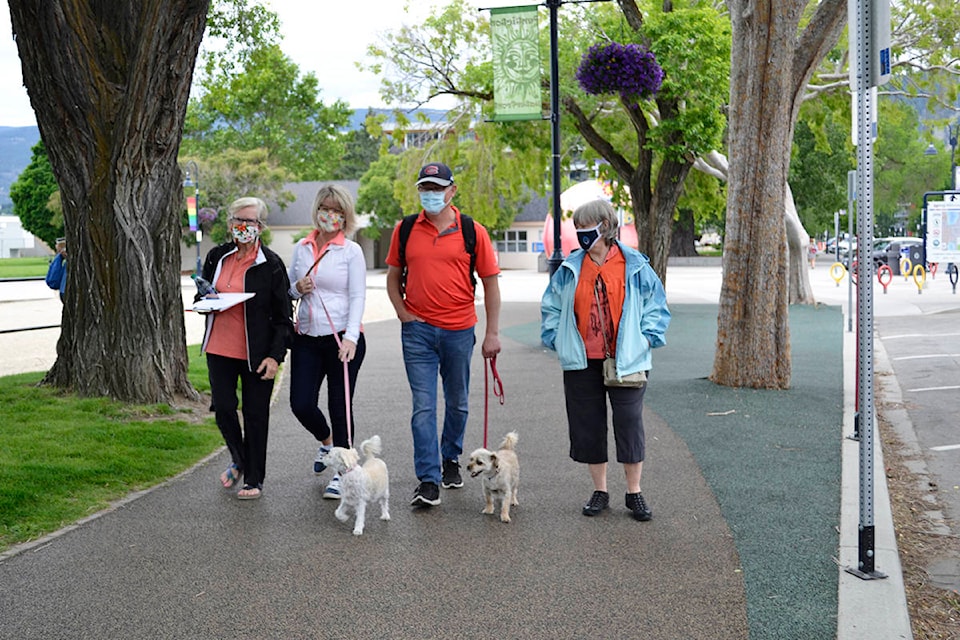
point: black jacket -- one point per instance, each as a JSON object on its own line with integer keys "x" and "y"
{"x": 267, "y": 314}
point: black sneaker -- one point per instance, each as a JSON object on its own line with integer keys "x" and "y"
{"x": 599, "y": 501}
{"x": 638, "y": 505}
{"x": 426, "y": 495}
{"x": 451, "y": 475}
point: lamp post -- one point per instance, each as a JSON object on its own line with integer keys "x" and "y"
{"x": 952, "y": 131}
{"x": 193, "y": 203}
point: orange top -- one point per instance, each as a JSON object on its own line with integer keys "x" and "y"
{"x": 228, "y": 335}
{"x": 613, "y": 271}
{"x": 438, "y": 285}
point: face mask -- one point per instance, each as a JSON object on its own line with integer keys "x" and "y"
{"x": 329, "y": 221}
{"x": 245, "y": 234}
{"x": 588, "y": 237}
{"x": 433, "y": 202}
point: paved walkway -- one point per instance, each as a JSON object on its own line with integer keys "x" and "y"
{"x": 747, "y": 488}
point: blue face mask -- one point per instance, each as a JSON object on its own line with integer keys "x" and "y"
{"x": 588, "y": 237}
{"x": 433, "y": 202}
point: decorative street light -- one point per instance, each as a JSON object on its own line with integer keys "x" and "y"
{"x": 193, "y": 203}
{"x": 952, "y": 131}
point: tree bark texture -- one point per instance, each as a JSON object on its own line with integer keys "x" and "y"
{"x": 771, "y": 62}
{"x": 109, "y": 82}
{"x": 753, "y": 340}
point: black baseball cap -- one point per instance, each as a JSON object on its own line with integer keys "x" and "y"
{"x": 437, "y": 173}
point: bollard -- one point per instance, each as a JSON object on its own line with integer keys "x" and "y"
{"x": 933, "y": 270}
{"x": 885, "y": 272}
{"x": 919, "y": 277}
{"x": 953, "y": 273}
{"x": 837, "y": 271}
{"x": 905, "y": 266}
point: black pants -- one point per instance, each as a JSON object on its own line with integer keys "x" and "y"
{"x": 247, "y": 444}
{"x": 313, "y": 359}
{"x": 586, "y": 400}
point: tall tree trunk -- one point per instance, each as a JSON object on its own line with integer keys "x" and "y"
{"x": 109, "y": 82}
{"x": 799, "y": 290}
{"x": 753, "y": 340}
{"x": 683, "y": 239}
{"x": 771, "y": 62}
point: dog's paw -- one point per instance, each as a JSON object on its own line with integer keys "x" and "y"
{"x": 385, "y": 516}
{"x": 358, "y": 531}
{"x": 487, "y": 510}
{"x": 504, "y": 517}
{"x": 341, "y": 515}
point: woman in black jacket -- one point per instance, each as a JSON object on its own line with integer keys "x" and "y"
{"x": 246, "y": 342}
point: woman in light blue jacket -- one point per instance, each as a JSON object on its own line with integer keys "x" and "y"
{"x": 604, "y": 301}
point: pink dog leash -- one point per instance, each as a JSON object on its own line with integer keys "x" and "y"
{"x": 346, "y": 373}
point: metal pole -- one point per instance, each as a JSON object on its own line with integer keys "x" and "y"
{"x": 867, "y": 551}
{"x": 556, "y": 258}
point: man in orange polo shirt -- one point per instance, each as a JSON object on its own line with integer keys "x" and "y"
{"x": 437, "y": 310}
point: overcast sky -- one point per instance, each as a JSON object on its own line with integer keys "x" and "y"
{"x": 323, "y": 36}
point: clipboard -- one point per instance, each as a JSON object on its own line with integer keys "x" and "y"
{"x": 222, "y": 302}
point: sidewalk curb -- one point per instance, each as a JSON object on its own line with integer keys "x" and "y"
{"x": 868, "y": 609}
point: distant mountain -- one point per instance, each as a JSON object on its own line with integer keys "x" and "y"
{"x": 15, "y": 146}
{"x": 16, "y": 143}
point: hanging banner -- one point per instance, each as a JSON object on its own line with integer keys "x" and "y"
{"x": 516, "y": 64}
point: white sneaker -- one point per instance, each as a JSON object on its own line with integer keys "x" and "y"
{"x": 318, "y": 465}
{"x": 332, "y": 492}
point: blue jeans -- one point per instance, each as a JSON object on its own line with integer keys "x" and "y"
{"x": 428, "y": 350}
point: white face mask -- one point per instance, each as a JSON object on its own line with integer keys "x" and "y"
{"x": 433, "y": 202}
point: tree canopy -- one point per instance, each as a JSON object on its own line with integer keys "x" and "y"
{"x": 31, "y": 194}
{"x": 268, "y": 105}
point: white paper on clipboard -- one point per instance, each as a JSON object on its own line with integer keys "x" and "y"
{"x": 222, "y": 302}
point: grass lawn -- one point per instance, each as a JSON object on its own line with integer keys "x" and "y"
{"x": 63, "y": 457}
{"x": 23, "y": 267}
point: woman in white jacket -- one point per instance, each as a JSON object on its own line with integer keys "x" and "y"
{"x": 327, "y": 270}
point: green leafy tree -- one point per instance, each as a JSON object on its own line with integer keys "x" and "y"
{"x": 360, "y": 151}
{"x": 375, "y": 194}
{"x": 267, "y": 105}
{"x": 822, "y": 155}
{"x": 649, "y": 146}
{"x": 31, "y": 194}
{"x": 497, "y": 166}
{"x": 230, "y": 175}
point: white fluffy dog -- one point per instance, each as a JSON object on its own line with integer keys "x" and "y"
{"x": 501, "y": 475}
{"x": 360, "y": 484}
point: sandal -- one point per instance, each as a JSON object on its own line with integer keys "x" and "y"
{"x": 231, "y": 476}
{"x": 250, "y": 492}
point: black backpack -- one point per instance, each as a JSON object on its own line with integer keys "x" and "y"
{"x": 469, "y": 244}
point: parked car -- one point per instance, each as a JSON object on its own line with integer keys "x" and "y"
{"x": 889, "y": 250}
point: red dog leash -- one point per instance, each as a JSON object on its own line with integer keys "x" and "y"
{"x": 490, "y": 363}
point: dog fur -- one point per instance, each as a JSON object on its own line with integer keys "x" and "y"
{"x": 500, "y": 475}
{"x": 360, "y": 484}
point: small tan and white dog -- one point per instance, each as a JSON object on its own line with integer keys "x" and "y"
{"x": 500, "y": 473}
{"x": 360, "y": 484}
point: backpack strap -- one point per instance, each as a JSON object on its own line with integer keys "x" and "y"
{"x": 406, "y": 225}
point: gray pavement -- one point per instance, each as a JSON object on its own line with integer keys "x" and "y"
{"x": 743, "y": 541}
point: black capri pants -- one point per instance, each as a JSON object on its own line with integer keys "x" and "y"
{"x": 586, "y": 401}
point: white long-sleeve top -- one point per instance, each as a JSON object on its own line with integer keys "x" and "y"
{"x": 340, "y": 278}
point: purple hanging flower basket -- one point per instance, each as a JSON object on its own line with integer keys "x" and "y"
{"x": 627, "y": 69}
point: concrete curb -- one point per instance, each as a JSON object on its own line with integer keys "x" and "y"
{"x": 868, "y": 609}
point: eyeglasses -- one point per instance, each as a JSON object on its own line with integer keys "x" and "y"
{"x": 330, "y": 212}
{"x": 430, "y": 186}
{"x": 244, "y": 221}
